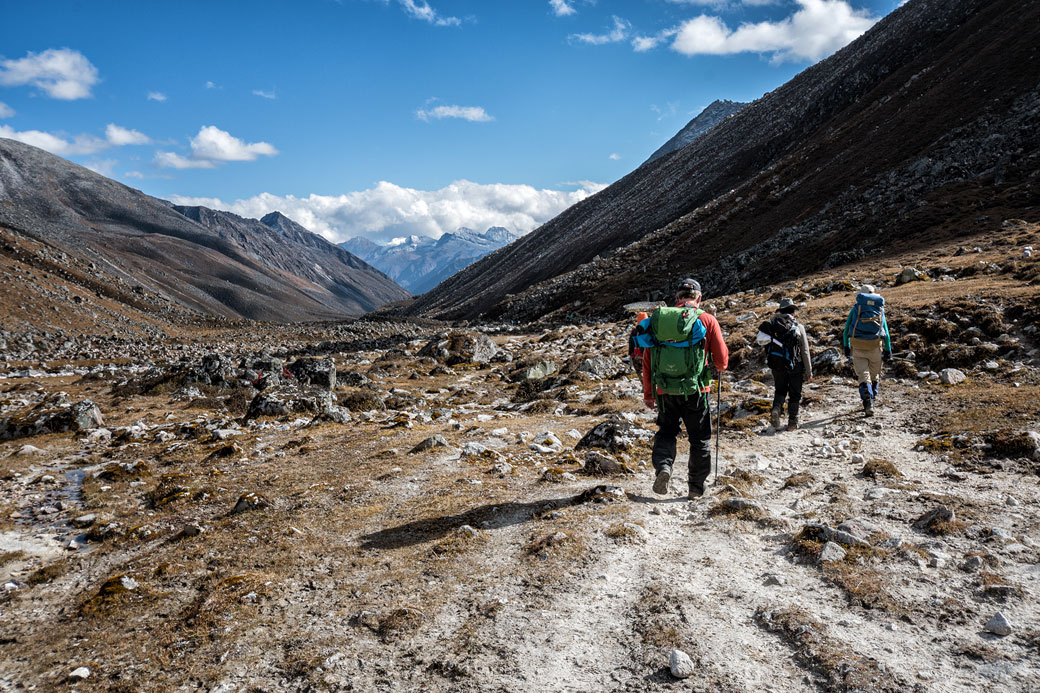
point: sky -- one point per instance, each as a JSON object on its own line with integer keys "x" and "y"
{"x": 389, "y": 118}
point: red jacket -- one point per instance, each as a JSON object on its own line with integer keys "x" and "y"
{"x": 714, "y": 346}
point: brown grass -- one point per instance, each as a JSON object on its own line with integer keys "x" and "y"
{"x": 877, "y": 467}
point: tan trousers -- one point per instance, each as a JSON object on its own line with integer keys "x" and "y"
{"x": 867, "y": 364}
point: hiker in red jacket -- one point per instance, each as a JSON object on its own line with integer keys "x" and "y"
{"x": 693, "y": 410}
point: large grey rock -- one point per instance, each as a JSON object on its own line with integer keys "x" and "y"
{"x": 613, "y": 435}
{"x": 832, "y": 552}
{"x": 827, "y": 361}
{"x": 55, "y": 414}
{"x": 600, "y": 366}
{"x": 435, "y": 441}
{"x": 909, "y": 274}
{"x": 461, "y": 347}
{"x": 311, "y": 371}
{"x": 294, "y": 398}
{"x": 951, "y": 376}
{"x": 540, "y": 370}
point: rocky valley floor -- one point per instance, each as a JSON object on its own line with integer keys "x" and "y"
{"x": 380, "y": 506}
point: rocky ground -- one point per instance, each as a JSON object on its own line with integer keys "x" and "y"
{"x": 378, "y": 505}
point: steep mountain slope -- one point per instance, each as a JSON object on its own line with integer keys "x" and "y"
{"x": 238, "y": 268}
{"x": 920, "y": 127}
{"x": 715, "y": 113}
{"x": 420, "y": 263}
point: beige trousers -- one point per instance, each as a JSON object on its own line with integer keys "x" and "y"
{"x": 867, "y": 364}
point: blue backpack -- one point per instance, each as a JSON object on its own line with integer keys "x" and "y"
{"x": 870, "y": 316}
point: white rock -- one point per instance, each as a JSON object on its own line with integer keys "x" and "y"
{"x": 27, "y": 450}
{"x": 999, "y": 625}
{"x": 680, "y": 664}
{"x": 951, "y": 376}
{"x": 831, "y": 552}
{"x": 80, "y": 674}
{"x": 858, "y": 459}
{"x": 757, "y": 461}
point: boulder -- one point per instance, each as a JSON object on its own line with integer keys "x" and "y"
{"x": 435, "y": 441}
{"x": 461, "y": 347}
{"x": 680, "y": 664}
{"x": 827, "y": 361}
{"x": 831, "y": 552}
{"x": 909, "y": 274}
{"x": 951, "y": 376}
{"x": 600, "y": 464}
{"x": 55, "y": 414}
{"x": 312, "y": 371}
{"x": 600, "y": 366}
{"x": 998, "y": 624}
{"x": 294, "y": 398}
{"x": 542, "y": 369}
{"x": 613, "y": 435}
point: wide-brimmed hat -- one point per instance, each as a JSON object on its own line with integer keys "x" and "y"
{"x": 786, "y": 303}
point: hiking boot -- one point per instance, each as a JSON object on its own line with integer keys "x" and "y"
{"x": 774, "y": 417}
{"x": 662, "y": 479}
{"x": 868, "y": 407}
{"x": 696, "y": 491}
{"x": 792, "y": 424}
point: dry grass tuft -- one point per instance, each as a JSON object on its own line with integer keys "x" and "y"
{"x": 49, "y": 573}
{"x": 799, "y": 480}
{"x": 400, "y": 622}
{"x": 862, "y": 585}
{"x": 877, "y": 467}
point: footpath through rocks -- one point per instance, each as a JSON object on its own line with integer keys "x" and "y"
{"x": 433, "y": 508}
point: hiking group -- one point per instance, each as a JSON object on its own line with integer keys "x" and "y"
{"x": 674, "y": 348}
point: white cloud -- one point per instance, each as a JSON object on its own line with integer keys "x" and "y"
{"x": 615, "y": 157}
{"x": 174, "y": 160}
{"x": 389, "y": 211}
{"x": 214, "y": 143}
{"x": 561, "y": 9}
{"x": 474, "y": 114}
{"x": 817, "y": 29}
{"x": 616, "y": 35}
{"x": 420, "y": 9}
{"x": 120, "y": 136}
{"x": 156, "y": 96}
{"x": 265, "y": 94}
{"x": 61, "y": 73}
{"x": 642, "y": 44}
{"x": 212, "y": 146}
{"x": 5, "y": 110}
{"x": 210, "y": 85}
{"x": 56, "y": 144}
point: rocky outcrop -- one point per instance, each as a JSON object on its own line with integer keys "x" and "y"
{"x": 55, "y": 414}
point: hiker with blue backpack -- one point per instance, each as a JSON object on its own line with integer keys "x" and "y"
{"x": 788, "y": 357}
{"x": 677, "y": 382}
{"x": 867, "y": 343}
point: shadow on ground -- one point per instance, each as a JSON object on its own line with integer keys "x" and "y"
{"x": 493, "y": 516}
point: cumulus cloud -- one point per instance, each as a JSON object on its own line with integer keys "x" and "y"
{"x": 212, "y": 146}
{"x": 156, "y": 96}
{"x": 420, "y": 9}
{"x": 61, "y": 73}
{"x": 615, "y": 157}
{"x": 210, "y": 84}
{"x": 616, "y": 35}
{"x": 561, "y": 9}
{"x": 817, "y": 29}
{"x": 59, "y": 144}
{"x": 265, "y": 94}
{"x": 390, "y": 211}
{"x": 641, "y": 44}
{"x": 474, "y": 114}
{"x": 120, "y": 136}
{"x": 105, "y": 167}
{"x": 5, "y": 110}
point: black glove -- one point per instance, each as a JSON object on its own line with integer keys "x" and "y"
{"x": 848, "y": 352}
{"x": 886, "y": 356}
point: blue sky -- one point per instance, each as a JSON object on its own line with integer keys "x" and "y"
{"x": 392, "y": 117}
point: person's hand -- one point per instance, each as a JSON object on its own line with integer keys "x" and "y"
{"x": 886, "y": 356}
{"x": 809, "y": 379}
{"x": 649, "y": 402}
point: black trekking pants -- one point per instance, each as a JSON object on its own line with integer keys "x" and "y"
{"x": 788, "y": 384}
{"x": 673, "y": 410}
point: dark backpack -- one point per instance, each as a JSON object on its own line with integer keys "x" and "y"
{"x": 870, "y": 315}
{"x": 782, "y": 353}
{"x": 677, "y": 360}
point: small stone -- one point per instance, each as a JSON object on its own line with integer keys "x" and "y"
{"x": 774, "y": 579}
{"x": 858, "y": 459}
{"x": 435, "y": 441}
{"x": 1012, "y": 502}
{"x": 951, "y": 376}
{"x": 680, "y": 664}
{"x": 972, "y": 564}
{"x": 84, "y": 520}
{"x": 832, "y": 552}
{"x": 999, "y": 625}
{"x": 80, "y": 674}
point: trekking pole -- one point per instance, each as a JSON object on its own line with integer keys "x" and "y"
{"x": 718, "y": 427}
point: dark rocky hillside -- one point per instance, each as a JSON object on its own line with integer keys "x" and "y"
{"x": 921, "y": 130}
{"x": 715, "y": 113}
{"x": 211, "y": 262}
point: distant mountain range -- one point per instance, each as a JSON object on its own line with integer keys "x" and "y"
{"x": 419, "y": 263}
{"x": 920, "y": 130}
{"x": 215, "y": 263}
{"x": 715, "y": 113}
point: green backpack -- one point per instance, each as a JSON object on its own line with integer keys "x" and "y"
{"x": 677, "y": 363}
